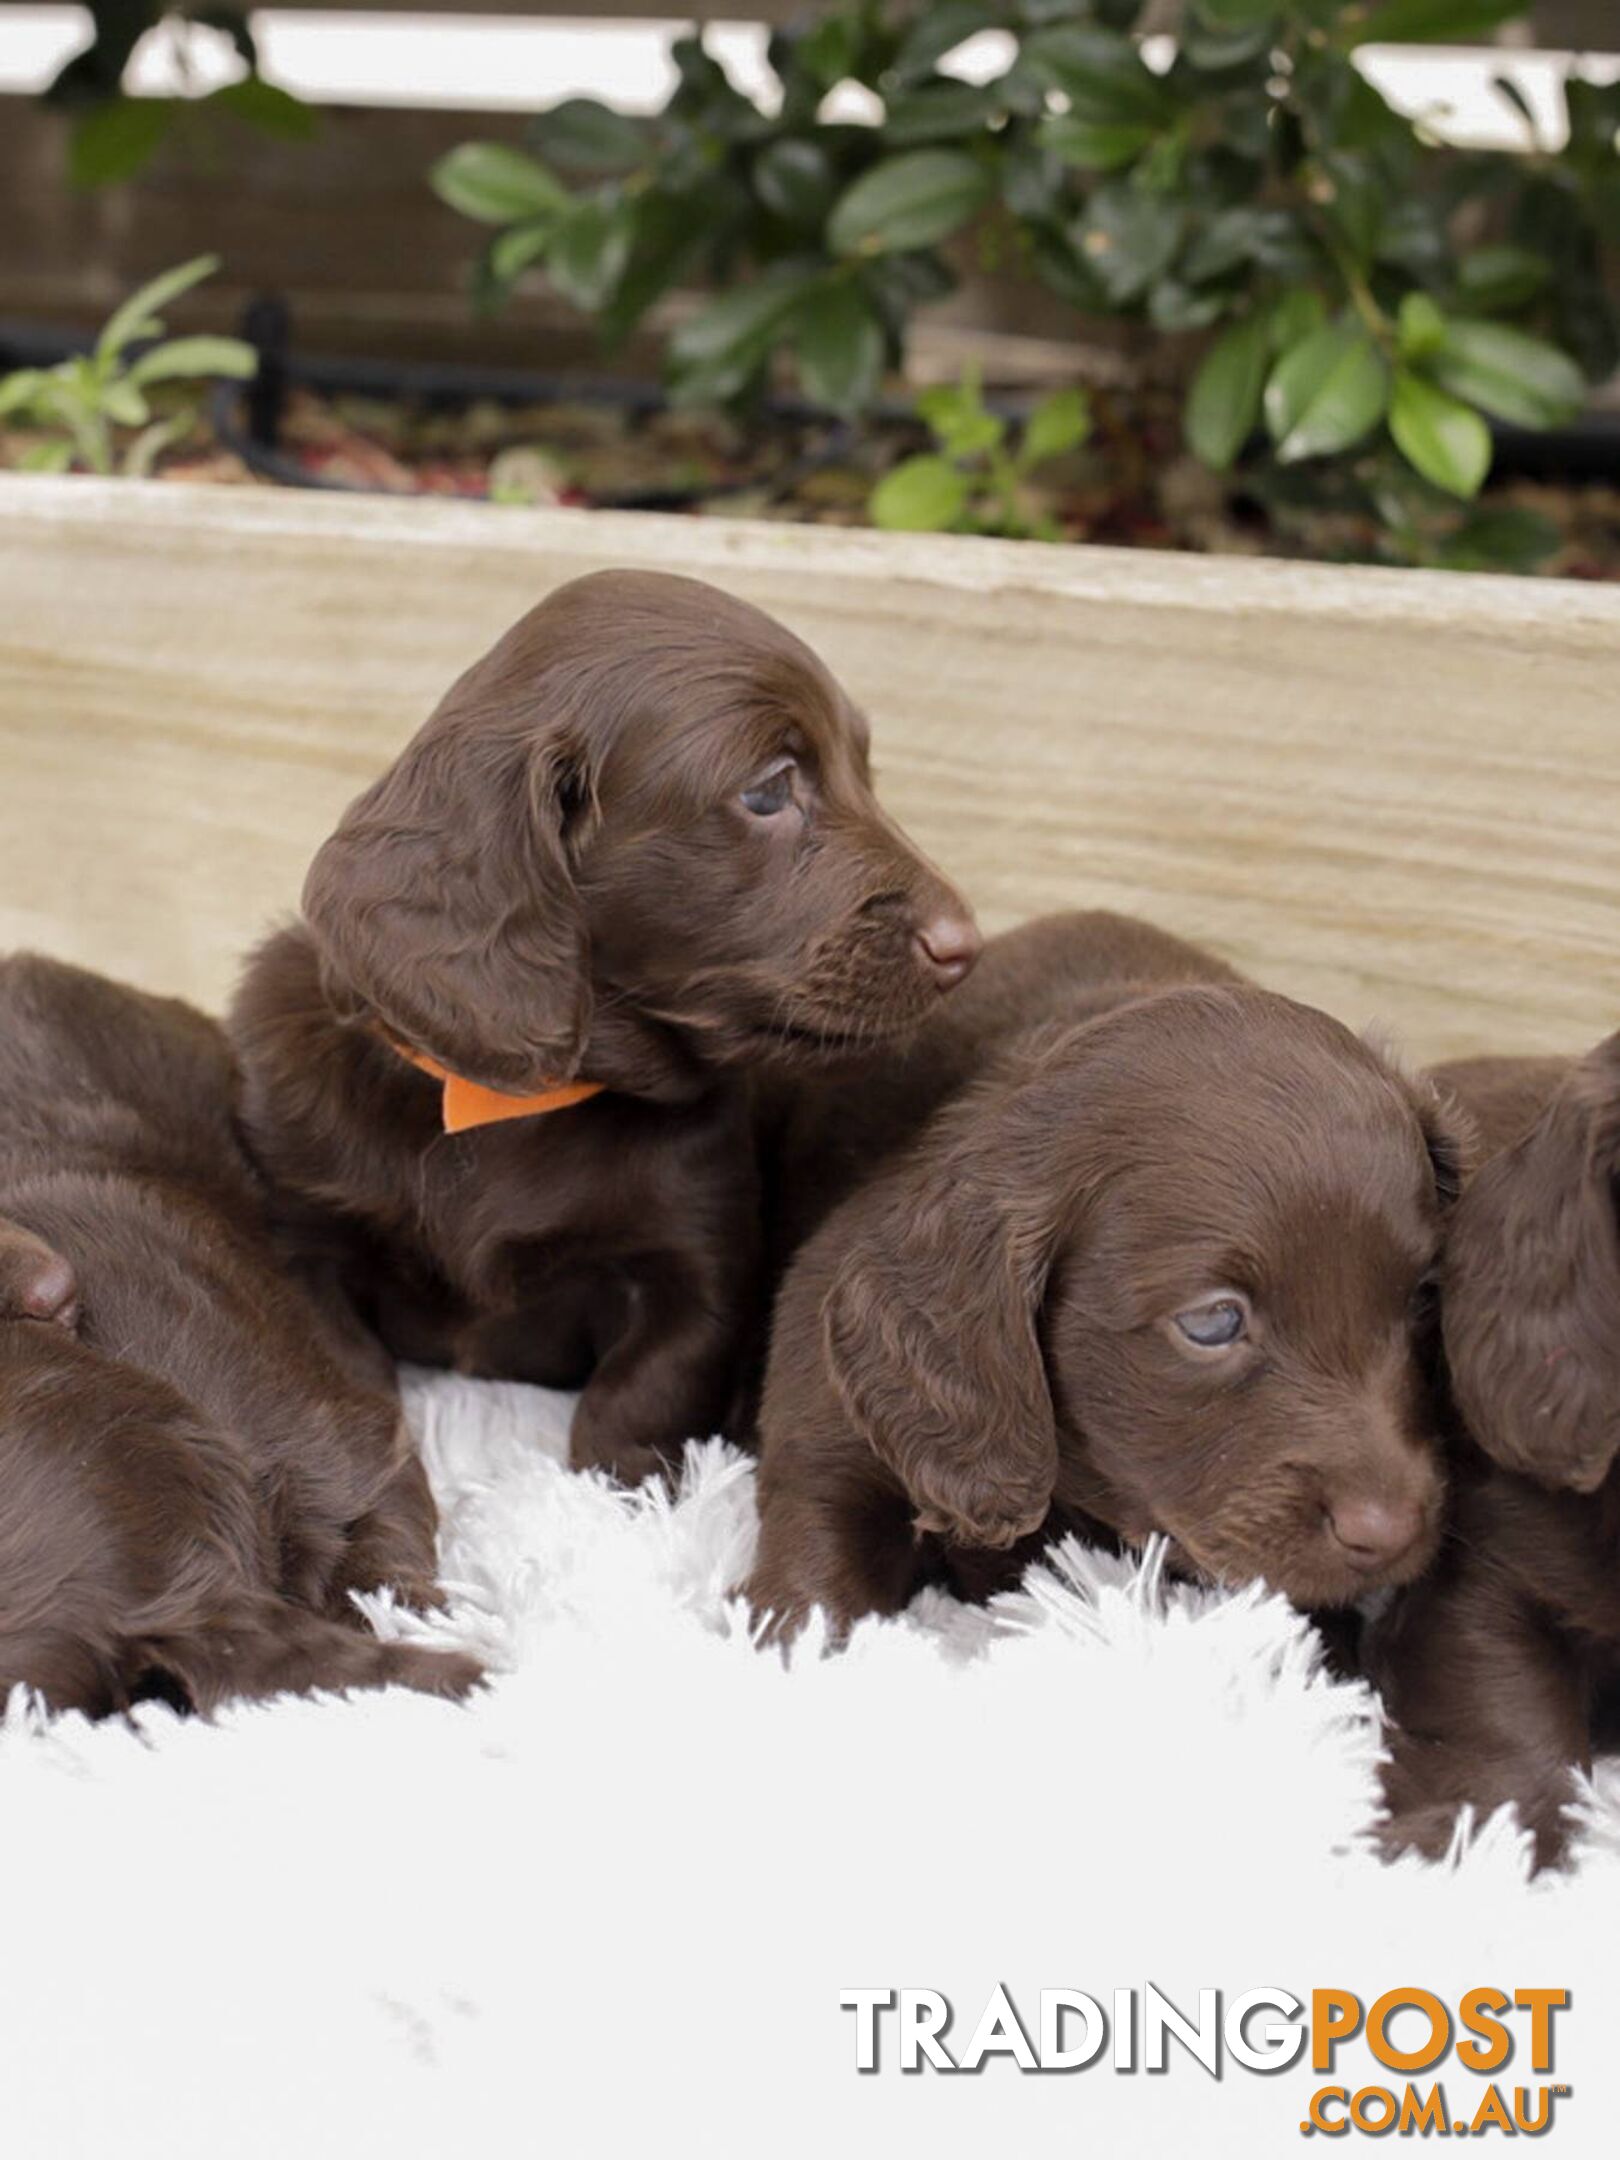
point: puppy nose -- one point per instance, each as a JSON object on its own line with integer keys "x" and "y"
{"x": 1373, "y": 1533}
{"x": 39, "y": 1284}
{"x": 948, "y": 947}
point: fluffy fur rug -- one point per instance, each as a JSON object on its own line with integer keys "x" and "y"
{"x": 611, "y": 1907}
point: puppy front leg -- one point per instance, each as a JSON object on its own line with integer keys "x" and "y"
{"x": 842, "y": 1543}
{"x": 1490, "y": 1706}
{"x": 394, "y": 1544}
{"x": 670, "y": 1376}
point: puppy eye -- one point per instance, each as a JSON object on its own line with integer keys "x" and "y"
{"x": 1216, "y": 1325}
{"x": 770, "y": 796}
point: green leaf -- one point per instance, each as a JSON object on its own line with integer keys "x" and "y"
{"x": 1215, "y": 47}
{"x": 1325, "y": 394}
{"x": 46, "y": 457}
{"x": 939, "y": 112}
{"x": 1421, "y": 328}
{"x": 20, "y": 389}
{"x": 1066, "y": 272}
{"x": 122, "y": 402}
{"x": 1489, "y": 278}
{"x": 955, "y": 415}
{"x": 511, "y": 252}
{"x": 188, "y": 359}
{"x": 897, "y": 284}
{"x": 936, "y": 30}
{"x": 1294, "y": 315}
{"x": 911, "y": 201}
{"x": 144, "y": 452}
{"x": 716, "y": 353}
{"x": 795, "y": 181}
{"x": 1059, "y": 424}
{"x": 669, "y": 240}
{"x": 138, "y": 317}
{"x": 1032, "y": 181}
{"x": 1129, "y": 239}
{"x": 1269, "y": 239}
{"x": 1354, "y": 197}
{"x": 1446, "y": 442}
{"x": 1223, "y": 404}
{"x": 1500, "y": 539}
{"x": 1432, "y": 22}
{"x": 1593, "y": 111}
{"x": 112, "y": 142}
{"x": 827, "y": 50}
{"x": 1096, "y": 145}
{"x": 1235, "y": 14}
{"x": 496, "y": 184}
{"x": 1101, "y": 73}
{"x": 1174, "y": 306}
{"x": 1508, "y": 373}
{"x": 925, "y": 494}
{"x": 839, "y": 343}
{"x": 1412, "y": 237}
{"x": 585, "y": 136}
{"x": 589, "y": 250}
{"x": 262, "y": 105}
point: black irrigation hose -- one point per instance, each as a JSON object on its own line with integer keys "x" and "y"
{"x": 247, "y": 418}
{"x": 266, "y": 326}
{"x": 450, "y": 388}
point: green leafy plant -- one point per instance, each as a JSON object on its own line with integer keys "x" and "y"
{"x": 976, "y": 479}
{"x": 115, "y": 137}
{"x": 1334, "y": 286}
{"x": 820, "y": 238}
{"x": 95, "y": 407}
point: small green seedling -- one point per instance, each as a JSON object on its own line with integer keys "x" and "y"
{"x": 977, "y": 480}
{"x": 89, "y": 403}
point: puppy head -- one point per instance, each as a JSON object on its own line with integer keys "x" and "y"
{"x": 648, "y": 796}
{"x": 1173, "y": 1272}
{"x": 1530, "y": 1295}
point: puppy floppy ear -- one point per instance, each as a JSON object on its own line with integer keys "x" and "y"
{"x": 1531, "y": 1290}
{"x": 930, "y": 1325}
{"x": 445, "y": 906}
{"x": 1452, "y": 1139}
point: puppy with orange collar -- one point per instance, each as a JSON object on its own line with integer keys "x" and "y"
{"x": 501, "y": 1073}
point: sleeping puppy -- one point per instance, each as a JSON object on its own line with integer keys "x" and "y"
{"x": 632, "y": 859}
{"x": 1160, "y": 1271}
{"x": 190, "y": 1485}
{"x": 1497, "y": 1667}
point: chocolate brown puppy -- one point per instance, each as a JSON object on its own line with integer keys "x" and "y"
{"x": 635, "y": 851}
{"x": 1162, "y": 1270}
{"x": 190, "y": 1483}
{"x": 829, "y": 1129}
{"x": 1498, "y": 1666}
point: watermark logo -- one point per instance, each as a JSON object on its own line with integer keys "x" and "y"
{"x": 1410, "y": 2033}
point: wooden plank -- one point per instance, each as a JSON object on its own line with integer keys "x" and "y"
{"x": 347, "y": 231}
{"x": 1395, "y": 793}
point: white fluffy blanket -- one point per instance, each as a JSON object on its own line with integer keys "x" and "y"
{"x": 610, "y": 1908}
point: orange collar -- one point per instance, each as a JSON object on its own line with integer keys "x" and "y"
{"x": 469, "y": 1104}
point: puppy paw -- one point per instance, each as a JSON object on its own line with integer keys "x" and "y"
{"x": 1430, "y": 1830}
{"x": 450, "y": 1673}
{"x": 990, "y": 1513}
{"x": 420, "y": 1593}
{"x": 628, "y": 1462}
{"x": 1427, "y": 1831}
